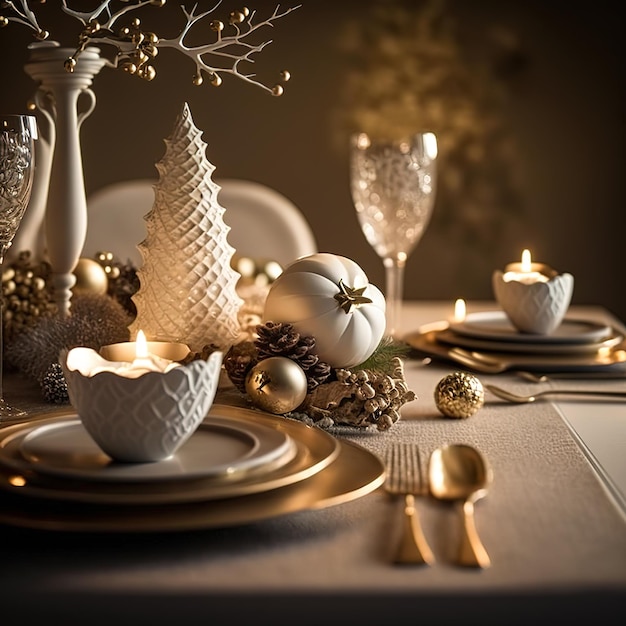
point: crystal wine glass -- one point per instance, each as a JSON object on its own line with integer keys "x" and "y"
{"x": 17, "y": 164}
{"x": 393, "y": 186}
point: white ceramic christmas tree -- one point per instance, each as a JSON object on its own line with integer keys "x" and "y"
{"x": 187, "y": 287}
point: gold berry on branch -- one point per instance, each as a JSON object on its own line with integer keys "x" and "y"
{"x": 134, "y": 48}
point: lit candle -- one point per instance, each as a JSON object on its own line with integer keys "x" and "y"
{"x": 459, "y": 310}
{"x": 146, "y": 362}
{"x": 526, "y": 272}
{"x": 89, "y": 363}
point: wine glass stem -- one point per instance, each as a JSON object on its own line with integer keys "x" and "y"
{"x": 3, "y": 249}
{"x": 394, "y": 280}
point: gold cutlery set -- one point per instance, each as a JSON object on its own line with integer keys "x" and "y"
{"x": 456, "y": 473}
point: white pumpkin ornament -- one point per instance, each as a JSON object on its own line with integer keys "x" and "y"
{"x": 330, "y": 298}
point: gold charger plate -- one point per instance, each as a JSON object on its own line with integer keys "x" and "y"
{"x": 315, "y": 449}
{"x": 354, "y": 473}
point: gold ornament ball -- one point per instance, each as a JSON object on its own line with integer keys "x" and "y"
{"x": 277, "y": 385}
{"x": 91, "y": 277}
{"x": 459, "y": 395}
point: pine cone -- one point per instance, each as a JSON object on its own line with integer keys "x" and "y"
{"x": 54, "y": 385}
{"x": 239, "y": 360}
{"x": 280, "y": 339}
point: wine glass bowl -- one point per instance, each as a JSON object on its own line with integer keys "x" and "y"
{"x": 17, "y": 163}
{"x": 393, "y": 184}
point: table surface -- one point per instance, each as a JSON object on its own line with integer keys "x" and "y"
{"x": 552, "y": 523}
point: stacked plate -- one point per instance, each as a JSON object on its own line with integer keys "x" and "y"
{"x": 240, "y": 466}
{"x": 488, "y": 340}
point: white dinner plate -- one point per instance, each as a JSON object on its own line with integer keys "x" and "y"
{"x": 312, "y": 450}
{"x": 496, "y": 325}
{"x": 218, "y": 448}
{"x": 452, "y": 338}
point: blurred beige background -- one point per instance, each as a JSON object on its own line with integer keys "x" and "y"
{"x": 526, "y": 97}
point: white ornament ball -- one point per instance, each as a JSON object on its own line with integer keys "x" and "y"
{"x": 277, "y": 385}
{"x": 330, "y": 298}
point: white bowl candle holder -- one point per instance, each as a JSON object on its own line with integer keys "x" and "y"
{"x": 140, "y": 411}
{"x": 533, "y": 296}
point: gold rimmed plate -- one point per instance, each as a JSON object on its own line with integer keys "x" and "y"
{"x": 312, "y": 450}
{"x": 490, "y": 361}
{"x": 354, "y": 473}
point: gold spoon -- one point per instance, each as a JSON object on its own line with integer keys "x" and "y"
{"x": 477, "y": 361}
{"x": 460, "y": 472}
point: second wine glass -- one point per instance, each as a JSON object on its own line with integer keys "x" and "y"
{"x": 17, "y": 162}
{"x": 393, "y": 184}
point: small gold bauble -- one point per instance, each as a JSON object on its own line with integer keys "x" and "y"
{"x": 91, "y": 277}
{"x": 459, "y": 395}
{"x": 277, "y": 385}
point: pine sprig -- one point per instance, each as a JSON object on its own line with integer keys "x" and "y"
{"x": 380, "y": 360}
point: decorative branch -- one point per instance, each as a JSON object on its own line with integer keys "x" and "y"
{"x": 136, "y": 48}
{"x": 23, "y": 15}
{"x": 220, "y": 47}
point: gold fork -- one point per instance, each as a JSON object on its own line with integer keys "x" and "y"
{"x": 504, "y": 394}
{"x": 404, "y": 478}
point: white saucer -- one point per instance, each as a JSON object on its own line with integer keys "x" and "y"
{"x": 496, "y": 325}
{"x": 219, "y": 448}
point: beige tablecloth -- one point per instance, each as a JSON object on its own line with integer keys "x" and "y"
{"x": 556, "y": 540}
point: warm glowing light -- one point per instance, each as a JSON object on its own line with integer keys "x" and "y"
{"x": 89, "y": 363}
{"x": 17, "y": 481}
{"x": 460, "y": 310}
{"x": 141, "y": 346}
{"x": 524, "y": 273}
{"x": 363, "y": 141}
{"x": 430, "y": 145}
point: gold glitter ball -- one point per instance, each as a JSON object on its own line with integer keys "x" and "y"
{"x": 459, "y": 395}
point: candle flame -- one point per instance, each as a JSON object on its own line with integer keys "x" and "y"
{"x": 459, "y": 310}
{"x": 526, "y": 261}
{"x": 141, "y": 346}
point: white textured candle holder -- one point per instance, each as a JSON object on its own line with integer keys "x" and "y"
{"x": 142, "y": 419}
{"x": 537, "y": 308}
